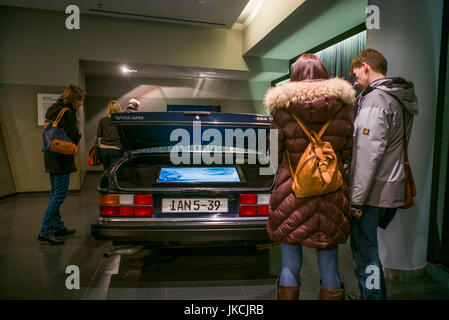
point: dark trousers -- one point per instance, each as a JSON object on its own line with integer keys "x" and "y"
{"x": 365, "y": 252}
{"x": 59, "y": 190}
{"x": 109, "y": 156}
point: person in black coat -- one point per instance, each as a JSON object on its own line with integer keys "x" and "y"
{"x": 60, "y": 167}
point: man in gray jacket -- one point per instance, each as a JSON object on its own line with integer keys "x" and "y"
{"x": 377, "y": 179}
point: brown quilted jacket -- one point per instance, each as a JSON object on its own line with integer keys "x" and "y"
{"x": 320, "y": 221}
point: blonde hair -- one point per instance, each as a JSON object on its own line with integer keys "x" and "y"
{"x": 113, "y": 107}
{"x": 71, "y": 94}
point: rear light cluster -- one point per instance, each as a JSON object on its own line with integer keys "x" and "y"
{"x": 126, "y": 205}
{"x": 254, "y": 205}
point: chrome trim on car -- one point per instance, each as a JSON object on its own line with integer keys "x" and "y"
{"x": 177, "y": 123}
{"x": 199, "y": 219}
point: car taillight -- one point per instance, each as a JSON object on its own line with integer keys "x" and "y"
{"x": 143, "y": 199}
{"x": 248, "y": 199}
{"x": 107, "y": 199}
{"x": 246, "y": 211}
{"x": 126, "y": 205}
{"x": 144, "y": 211}
{"x": 254, "y": 205}
{"x": 126, "y": 211}
{"x": 108, "y": 211}
{"x": 126, "y": 199}
{"x": 262, "y": 210}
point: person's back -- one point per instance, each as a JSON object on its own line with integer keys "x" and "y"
{"x": 108, "y": 136}
{"x": 322, "y": 221}
{"x": 320, "y": 105}
{"x": 108, "y": 133}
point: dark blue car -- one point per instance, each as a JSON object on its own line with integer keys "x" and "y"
{"x": 187, "y": 178}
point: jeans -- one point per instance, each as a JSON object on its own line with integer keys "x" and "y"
{"x": 327, "y": 264}
{"x": 109, "y": 156}
{"x": 365, "y": 252}
{"x": 59, "y": 190}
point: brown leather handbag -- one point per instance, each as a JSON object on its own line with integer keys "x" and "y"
{"x": 317, "y": 171}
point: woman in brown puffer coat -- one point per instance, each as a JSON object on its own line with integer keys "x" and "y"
{"x": 320, "y": 222}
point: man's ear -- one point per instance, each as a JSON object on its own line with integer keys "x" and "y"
{"x": 366, "y": 67}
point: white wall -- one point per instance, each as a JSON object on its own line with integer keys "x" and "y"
{"x": 409, "y": 37}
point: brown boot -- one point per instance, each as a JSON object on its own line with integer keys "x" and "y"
{"x": 288, "y": 292}
{"x": 332, "y": 294}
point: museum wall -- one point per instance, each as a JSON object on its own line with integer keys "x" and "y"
{"x": 403, "y": 245}
{"x": 47, "y": 53}
{"x": 23, "y": 136}
{"x": 155, "y": 94}
{"x": 37, "y": 57}
{"x": 7, "y": 182}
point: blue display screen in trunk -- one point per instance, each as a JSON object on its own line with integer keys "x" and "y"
{"x": 198, "y": 174}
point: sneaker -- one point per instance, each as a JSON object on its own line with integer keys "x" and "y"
{"x": 50, "y": 238}
{"x": 64, "y": 232}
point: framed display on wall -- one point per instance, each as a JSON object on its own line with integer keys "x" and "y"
{"x": 44, "y": 101}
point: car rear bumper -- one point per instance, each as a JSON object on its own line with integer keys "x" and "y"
{"x": 188, "y": 230}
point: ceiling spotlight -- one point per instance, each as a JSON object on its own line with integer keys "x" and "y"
{"x": 126, "y": 70}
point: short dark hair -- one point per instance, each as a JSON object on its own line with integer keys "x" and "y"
{"x": 308, "y": 66}
{"x": 373, "y": 58}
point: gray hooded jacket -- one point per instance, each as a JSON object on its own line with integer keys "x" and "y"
{"x": 377, "y": 173}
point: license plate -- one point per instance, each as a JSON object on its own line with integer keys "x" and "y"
{"x": 194, "y": 205}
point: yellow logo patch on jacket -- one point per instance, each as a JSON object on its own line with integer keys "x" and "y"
{"x": 366, "y": 131}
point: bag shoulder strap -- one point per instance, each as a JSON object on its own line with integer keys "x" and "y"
{"x": 307, "y": 132}
{"x": 309, "y": 135}
{"x": 404, "y": 135}
{"x": 59, "y": 117}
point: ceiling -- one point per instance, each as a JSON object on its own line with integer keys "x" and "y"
{"x": 203, "y": 13}
{"x": 114, "y": 69}
{"x": 207, "y": 13}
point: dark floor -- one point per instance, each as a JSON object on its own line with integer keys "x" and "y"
{"x": 30, "y": 270}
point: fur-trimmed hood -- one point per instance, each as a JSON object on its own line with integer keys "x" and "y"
{"x": 307, "y": 90}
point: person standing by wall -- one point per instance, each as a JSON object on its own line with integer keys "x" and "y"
{"x": 108, "y": 136}
{"x": 377, "y": 177}
{"x": 60, "y": 167}
{"x": 133, "y": 105}
{"x": 321, "y": 221}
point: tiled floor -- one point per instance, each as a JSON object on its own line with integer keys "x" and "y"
{"x": 29, "y": 270}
